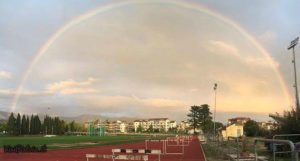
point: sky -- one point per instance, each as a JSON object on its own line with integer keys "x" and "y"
{"x": 147, "y": 58}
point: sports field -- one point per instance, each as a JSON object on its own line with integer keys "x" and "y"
{"x": 67, "y": 142}
{"x": 191, "y": 152}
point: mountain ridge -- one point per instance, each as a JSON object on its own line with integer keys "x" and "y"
{"x": 80, "y": 118}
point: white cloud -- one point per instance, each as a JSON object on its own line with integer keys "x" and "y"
{"x": 134, "y": 106}
{"x": 194, "y": 90}
{"x": 72, "y": 87}
{"x": 7, "y": 92}
{"x": 127, "y": 101}
{"x": 5, "y": 75}
{"x": 268, "y": 37}
{"x": 221, "y": 47}
{"x": 12, "y": 92}
{"x": 162, "y": 102}
{"x": 260, "y": 62}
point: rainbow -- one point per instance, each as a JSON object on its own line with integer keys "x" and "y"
{"x": 116, "y": 4}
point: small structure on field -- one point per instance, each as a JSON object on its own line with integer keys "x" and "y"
{"x": 95, "y": 129}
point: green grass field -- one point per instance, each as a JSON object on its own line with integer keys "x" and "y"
{"x": 67, "y": 142}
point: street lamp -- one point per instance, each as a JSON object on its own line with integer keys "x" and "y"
{"x": 292, "y": 46}
{"x": 215, "y": 89}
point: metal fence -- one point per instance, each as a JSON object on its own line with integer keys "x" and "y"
{"x": 294, "y": 152}
{"x": 229, "y": 148}
{"x": 274, "y": 145}
{"x": 232, "y": 147}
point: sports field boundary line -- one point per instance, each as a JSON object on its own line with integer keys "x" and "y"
{"x": 202, "y": 149}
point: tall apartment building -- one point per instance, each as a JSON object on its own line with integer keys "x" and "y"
{"x": 142, "y": 123}
{"x": 156, "y": 123}
{"x": 115, "y": 126}
{"x": 173, "y": 124}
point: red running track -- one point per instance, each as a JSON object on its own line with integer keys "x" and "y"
{"x": 193, "y": 152}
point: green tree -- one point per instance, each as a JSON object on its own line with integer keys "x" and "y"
{"x": 162, "y": 130}
{"x": 23, "y": 125}
{"x": 3, "y": 127}
{"x": 130, "y": 128}
{"x": 173, "y": 130}
{"x": 194, "y": 117}
{"x": 35, "y": 125}
{"x": 200, "y": 117}
{"x": 32, "y": 125}
{"x": 150, "y": 129}
{"x": 139, "y": 129}
{"x": 18, "y": 125}
{"x": 57, "y": 126}
{"x": 27, "y": 125}
{"x": 205, "y": 119}
{"x": 11, "y": 124}
{"x": 67, "y": 128}
{"x": 209, "y": 126}
{"x": 60, "y": 129}
{"x": 251, "y": 128}
{"x": 72, "y": 126}
{"x": 38, "y": 129}
{"x": 78, "y": 127}
{"x": 287, "y": 123}
{"x": 47, "y": 125}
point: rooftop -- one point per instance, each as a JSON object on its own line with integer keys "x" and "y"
{"x": 239, "y": 118}
{"x": 158, "y": 119}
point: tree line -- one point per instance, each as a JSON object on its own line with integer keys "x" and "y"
{"x": 287, "y": 123}
{"x": 252, "y": 128}
{"x": 25, "y": 125}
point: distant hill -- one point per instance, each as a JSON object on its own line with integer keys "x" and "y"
{"x": 4, "y": 116}
{"x": 89, "y": 117}
{"x": 81, "y": 118}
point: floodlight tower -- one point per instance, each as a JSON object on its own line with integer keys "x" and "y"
{"x": 215, "y": 110}
{"x": 292, "y": 46}
{"x": 44, "y": 119}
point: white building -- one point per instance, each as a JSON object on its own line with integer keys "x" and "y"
{"x": 268, "y": 125}
{"x": 235, "y": 127}
{"x": 173, "y": 124}
{"x": 238, "y": 120}
{"x": 183, "y": 126}
{"x": 142, "y": 123}
{"x": 115, "y": 126}
{"x": 110, "y": 126}
{"x": 156, "y": 123}
{"x": 160, "y": 123}
{"x": 123, "y": 127}
{"x": 233, "y": 130}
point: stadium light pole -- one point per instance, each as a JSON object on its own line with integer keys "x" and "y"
{"x": 215, "y": 110}
{"x": 44, "y": 119}
{"x": 292, "y": 46}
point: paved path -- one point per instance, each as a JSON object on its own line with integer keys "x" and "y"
{"x": 193, "y": 152}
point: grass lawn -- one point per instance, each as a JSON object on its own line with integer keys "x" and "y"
{"x": 66, "y": 142}
{"x": 211, "y": 154}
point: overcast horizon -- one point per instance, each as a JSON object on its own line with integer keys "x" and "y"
{"x": 147, "y": 58}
